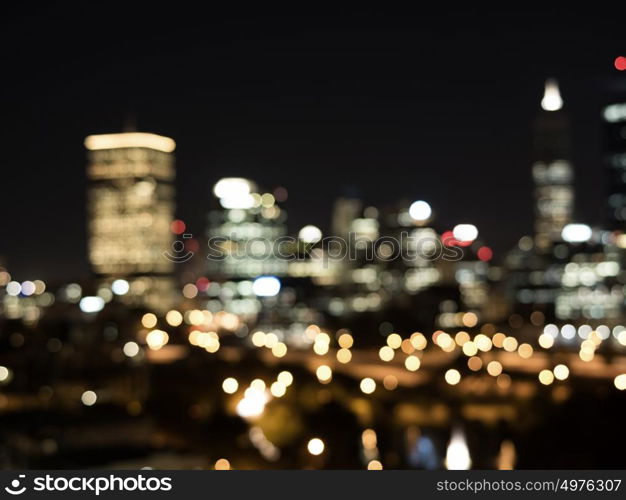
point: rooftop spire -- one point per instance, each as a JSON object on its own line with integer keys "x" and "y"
{"x": 552, "y": 97}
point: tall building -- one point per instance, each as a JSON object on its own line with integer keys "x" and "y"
{"x": 345, "y": 212}
{"x": 244, "y": 232}
{"x": 535, "y": 266}
{"x": 552, "y": 170}
{"x": 130, "y": 211}
{"x": 614, "y": 124}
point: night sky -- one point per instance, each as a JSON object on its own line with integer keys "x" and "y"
{"x": 385, "y": 104}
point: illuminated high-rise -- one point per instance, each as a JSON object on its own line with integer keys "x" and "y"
{"x": 130, "y": 210}
{"x": 345, "y": 212}
{"x": 552, "y": 170}
{"x": 244, "y": 232}
{"x": 614, "y": 124}
{"x": 535, "y": 266}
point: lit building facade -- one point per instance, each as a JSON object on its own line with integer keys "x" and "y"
{"x": 535, "y": 266}
{"x": 591, "y": 285}
{"x": 244, "y": 232}
{"x": 552, "y": 171}
{"x": 569, "y": 271}
{"x": 131, "y": 202}
{"x": 614, "y": 124}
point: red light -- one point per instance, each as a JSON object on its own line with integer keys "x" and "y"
{"x": 620, "y": 63}
{"x": 192, "y": 245}
{"x": 202, "y": 284}
{"x": 178, "y": 227}
{"x": 448, "y": 240}
{"x": 485, "y": 254}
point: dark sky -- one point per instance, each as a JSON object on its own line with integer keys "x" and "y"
{"x": 418, "y": 105}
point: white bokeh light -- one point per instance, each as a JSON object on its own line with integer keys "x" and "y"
{"x": 91, "y": 304}
{"x": 552, "y": 97}
{"x": 310, "y": 234}
{"x": 420, "y": 211}
{"x": 266, "y": 286}
{"x": 13, "y": 288}
{"x": 131, "y": 349}
{"x": 28, "y": 288}
{"x": 89, "y": 398}
{"x": 465, "y": 232}
{"x": 316, "y": 446}
{"x": 457, "y": 454}
{"x": 576, "y": 233}
{"x": 120, "y": 287}
{"x": 232, "y": 187}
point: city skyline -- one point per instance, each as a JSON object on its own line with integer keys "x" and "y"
{"x": 299, "y": 138}
{"x": 292, "y": 240}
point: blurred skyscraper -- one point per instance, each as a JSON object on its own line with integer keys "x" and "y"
{"x": 243, "y": 232}
{"x": 614, "y": 123}
{"x": 573, "y": 274}
{"x": 131, "y": 201}
{"x": 345, "y": 212}
{"x": 535, "y": 266}
{"x": 552, "y": 171}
